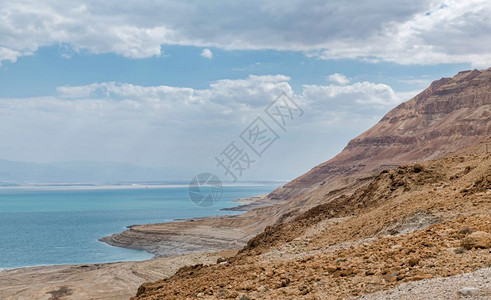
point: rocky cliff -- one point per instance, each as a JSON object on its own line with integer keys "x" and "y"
{"x": 450, "y": 114}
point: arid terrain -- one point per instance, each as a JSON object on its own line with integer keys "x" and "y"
{"x": 404, "y": 208}
{"x": 408, "y": 200}
{"x": 415, "y": 222}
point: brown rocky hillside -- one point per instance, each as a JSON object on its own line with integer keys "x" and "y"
{"x": 415, "y": 222}
{"x": 409, "y": 199}
{"x": 449, "y": 115}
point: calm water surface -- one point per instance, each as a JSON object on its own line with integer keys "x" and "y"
{"x": 53, "y": 225}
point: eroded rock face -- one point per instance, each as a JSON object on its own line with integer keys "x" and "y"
{"x": 449, "y": 115}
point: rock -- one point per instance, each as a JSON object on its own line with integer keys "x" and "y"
{"x": 222, "y": 293}
{"x": 478, "y": 239}
{"x": 413, "y": 261}
{"x": 285, "y": 282}
{"x": 469, "y": 291}
{"x": 343, "y": 273}
{"x": 332, "y": 268}
{"x": 391, "y": 277}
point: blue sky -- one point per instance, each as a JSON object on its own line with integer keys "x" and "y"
{"x": 41, "y": 73}
{"x": 169, "y": 84}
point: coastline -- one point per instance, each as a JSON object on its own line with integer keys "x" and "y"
{"x": 192, "y": 235}
{"x": 249, "y": 203}
{"x": 118, "y": 280}
{"x": 180, "y": 237}
{"x": 175, "y": 244}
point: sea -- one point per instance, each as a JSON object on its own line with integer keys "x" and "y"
{"x": 50, "y": 225}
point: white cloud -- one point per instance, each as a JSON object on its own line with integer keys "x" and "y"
{"x": 419, "y": 32}
{"x": 206, "y": 53}
{"x": 357, "y": 100}
{"x": 114, "y": 90}
{"x": 184, "y": 128}
{"x": 338, "y": 78}
{"x": 453, "y": 32}
{"x": 97, "y": 119}
{"x": 9, "y": 55}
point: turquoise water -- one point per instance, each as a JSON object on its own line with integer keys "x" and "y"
{"x": 52, "y": 225}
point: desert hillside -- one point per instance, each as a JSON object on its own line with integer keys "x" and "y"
{"x": 415, "y": 222}
{"x": 450, "y": 114}
{"x": 408, "y": 200}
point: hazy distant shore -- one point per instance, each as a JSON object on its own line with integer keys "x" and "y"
{"x": 126, "y": 185}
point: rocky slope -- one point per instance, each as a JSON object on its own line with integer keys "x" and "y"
{"x": 359, "y": 223}
{"x": 420, "y": 221}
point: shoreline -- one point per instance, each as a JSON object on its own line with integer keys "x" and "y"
{"x": 175, "y": 244}
{"x": 110, "y": 186}
{"x": 116, "y": 280}
{"x": 192, "y": 235}
{"x": 248, "y": 203}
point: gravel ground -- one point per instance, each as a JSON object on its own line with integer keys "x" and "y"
{"x": 440, "y": 288}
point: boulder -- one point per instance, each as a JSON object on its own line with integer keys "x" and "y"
{"x": 478, "y": 239}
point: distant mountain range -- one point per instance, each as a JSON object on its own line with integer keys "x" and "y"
{"x": 77, "y": 172}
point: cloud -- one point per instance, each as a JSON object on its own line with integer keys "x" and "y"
{"x": 9, "y": 54}
{"x": 453, "y": 32}
{"x": 206, "y": 53}
{"x": 253, "y": 92}
{"x": 359, "y": 100}
{"x": 420, "y": 32}
{"x": 109, "y": 112}
{"x": 26, "y": 26}
{"x": 118, "y": 91}
{"x": 338, "y": 78}
{"x": 184, "y": 128}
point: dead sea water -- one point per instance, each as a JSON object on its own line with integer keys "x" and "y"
{"x": 60, "y": 225}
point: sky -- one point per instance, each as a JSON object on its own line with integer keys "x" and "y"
{"x": 177, "y": 85}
